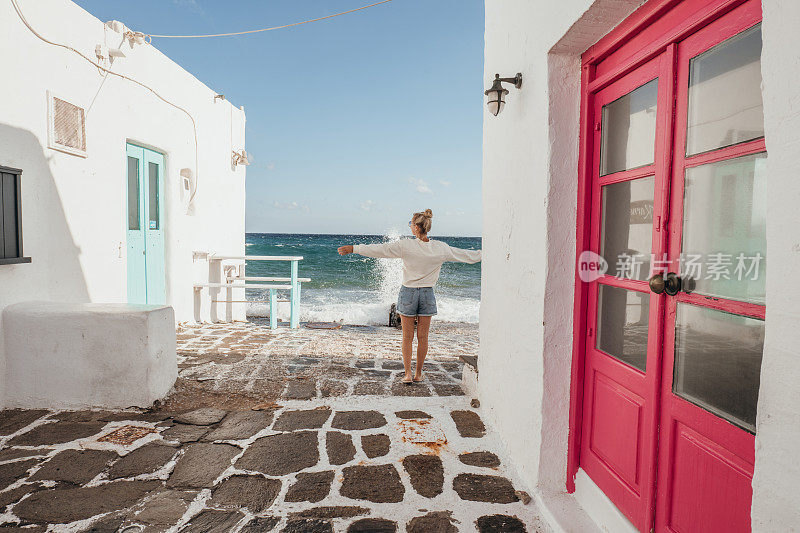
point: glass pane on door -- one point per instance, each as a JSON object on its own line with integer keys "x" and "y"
{"x": 725, "y": 104}
{"x": 626, "y": 236}
{"x": 628, "y": 133}
{"x": 718, "y": 362}
{"x": 152, "y": 196}
{"x": 724, "y": 245}
{"x": 133, "y": 193}
{"x": 622, "y": 317}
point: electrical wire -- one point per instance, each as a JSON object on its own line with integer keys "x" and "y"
{"x": 148, "y": 35}
{"x": 111, "y": 72}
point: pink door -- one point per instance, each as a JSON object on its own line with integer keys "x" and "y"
{"x": 674, "y": 329}
{"x": 714, "y": 327}
{"x": 623, "y": 342}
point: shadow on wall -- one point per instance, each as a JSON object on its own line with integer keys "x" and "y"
{"x": 55, "y": 272}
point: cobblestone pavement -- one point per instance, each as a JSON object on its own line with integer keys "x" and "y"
{"x": 355, "y": 452}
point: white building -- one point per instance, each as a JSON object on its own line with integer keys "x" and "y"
{"x": 623, "y": 406}
{"x": 121, "y": 178}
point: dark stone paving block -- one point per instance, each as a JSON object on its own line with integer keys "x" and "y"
{"x": 442, "y": 389}
{"x": 259, "y": 525}
{"x": 370, "y": 388}
{"x": 451, "y": 366}
{"x": 254, "y": 492}
{"x": 57, "y": 433}
{"x": 201, "y": 464}
{"x": 378, "y": 484}
{"x": 438, "y": 377}
{"x": 333, "y": 387}
{"x": 480, "y": 488}
{"x": 375, "y": 374}
{"x": 310, "y": 487}
{"x": 307, "y": 419}
{"x": 301, "y": 390}
{"x": 284, "y": 453}
{"x": 308, "y": 525}
{"x": 184, "y": 433}
{"x": 12, "y": 420}
{"x": 14, "y": 495}
{"x": 427, "y": 474}
{"x": 64, "y": 505}
{"x": 204, "y": 416}
{"x": 340, "y": 448}
{"x": 484, "y": 459}
{"x": 107, "y": 524}
{"x": 500, "y": 523}
{"x": 241, "y": 425}
{"x": 336, "y": 511}
{"x": 213, "y": 521}
{"x": 375, "y": 445}
{"x": 435, "y": 522}
{"x": 16, "y": 453}
{"x": 392, "y": 365}
{"x": 19, "y": 529}
{"x": 75, "y": 466}
{"x": 372, "y": 525}
{"x": 365, "y": 364}
{"x": 407, "y": 415}
{"x": 468, "y": 423}
{"x": 357, "y": 420}
{"x": 414, "y": 389}
{"x": 10, "y": 472}
{"x": 144, "y": 460}
{"x": 163, "y": 508}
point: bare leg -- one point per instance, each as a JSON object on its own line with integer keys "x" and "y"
{"x": 408, "y": 338}
{"x": 423, "y": 327}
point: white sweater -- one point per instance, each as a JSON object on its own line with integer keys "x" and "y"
{"x": 422, "y": 260}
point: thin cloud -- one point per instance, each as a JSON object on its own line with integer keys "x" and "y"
{"x": 420, "y": 185}
{"x": 191, "y": 4}
{"x": 367, "y": 205}
{"x": 291, "y": 206}
{"x": 270, "y": 166}
{"x": 445, "y": 183}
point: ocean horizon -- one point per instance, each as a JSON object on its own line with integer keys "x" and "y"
{"x": 354, "y": 289}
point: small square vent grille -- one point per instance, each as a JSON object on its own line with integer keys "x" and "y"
{"x": 67, "y": 126}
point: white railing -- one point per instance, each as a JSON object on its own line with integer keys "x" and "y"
{"x": 235, "y": 273}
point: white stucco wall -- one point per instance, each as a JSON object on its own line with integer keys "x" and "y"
{"x": 529, "y": 198}
{"x": 74, "y": 208}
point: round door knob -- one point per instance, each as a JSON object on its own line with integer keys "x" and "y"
{"x": 672, "y": 284}
{"x": 657, "y": 284}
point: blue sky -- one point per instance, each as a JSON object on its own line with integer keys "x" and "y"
{"x": 354, "y": 122}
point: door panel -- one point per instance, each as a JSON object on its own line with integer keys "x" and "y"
{"x": 714, "y": 335}
{"x": 622, "y": 369}
{"x": 145, "y": 226}
{"x": 137, "y": 285}
{"x": 154, "y": 258}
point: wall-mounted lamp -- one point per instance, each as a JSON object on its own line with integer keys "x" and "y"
{"x": 496, "y": 95}
{"x": 241, "y": 158}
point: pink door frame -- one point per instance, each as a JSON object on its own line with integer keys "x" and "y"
{"x": 653, "y": 30}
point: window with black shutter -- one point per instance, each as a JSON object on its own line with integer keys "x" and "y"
{"x": 11, "y": 217}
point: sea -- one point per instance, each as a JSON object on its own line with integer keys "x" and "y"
{"x": 354, "y": 289}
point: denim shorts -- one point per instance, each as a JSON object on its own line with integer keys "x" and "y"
{"x": 416, "y": 301}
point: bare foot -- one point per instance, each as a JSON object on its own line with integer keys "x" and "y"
{"x": 407, "y": 380}
{"x": 417, "y": 378}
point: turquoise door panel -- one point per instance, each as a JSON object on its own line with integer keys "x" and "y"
{"x": 145, "y": 226}
{"x": 154, "y": 228}
{"x": 137, "y": 284}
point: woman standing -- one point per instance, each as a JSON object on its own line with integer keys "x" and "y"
{"x": 422, "y": 261}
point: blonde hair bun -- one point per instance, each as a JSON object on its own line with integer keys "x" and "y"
{"x": 423, "y": 220}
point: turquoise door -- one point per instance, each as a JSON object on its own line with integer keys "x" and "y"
{"x": 145, "y": 226}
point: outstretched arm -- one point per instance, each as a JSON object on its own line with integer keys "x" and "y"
{"x": 461, "y": 255}
{"x": 386, "y": 250}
